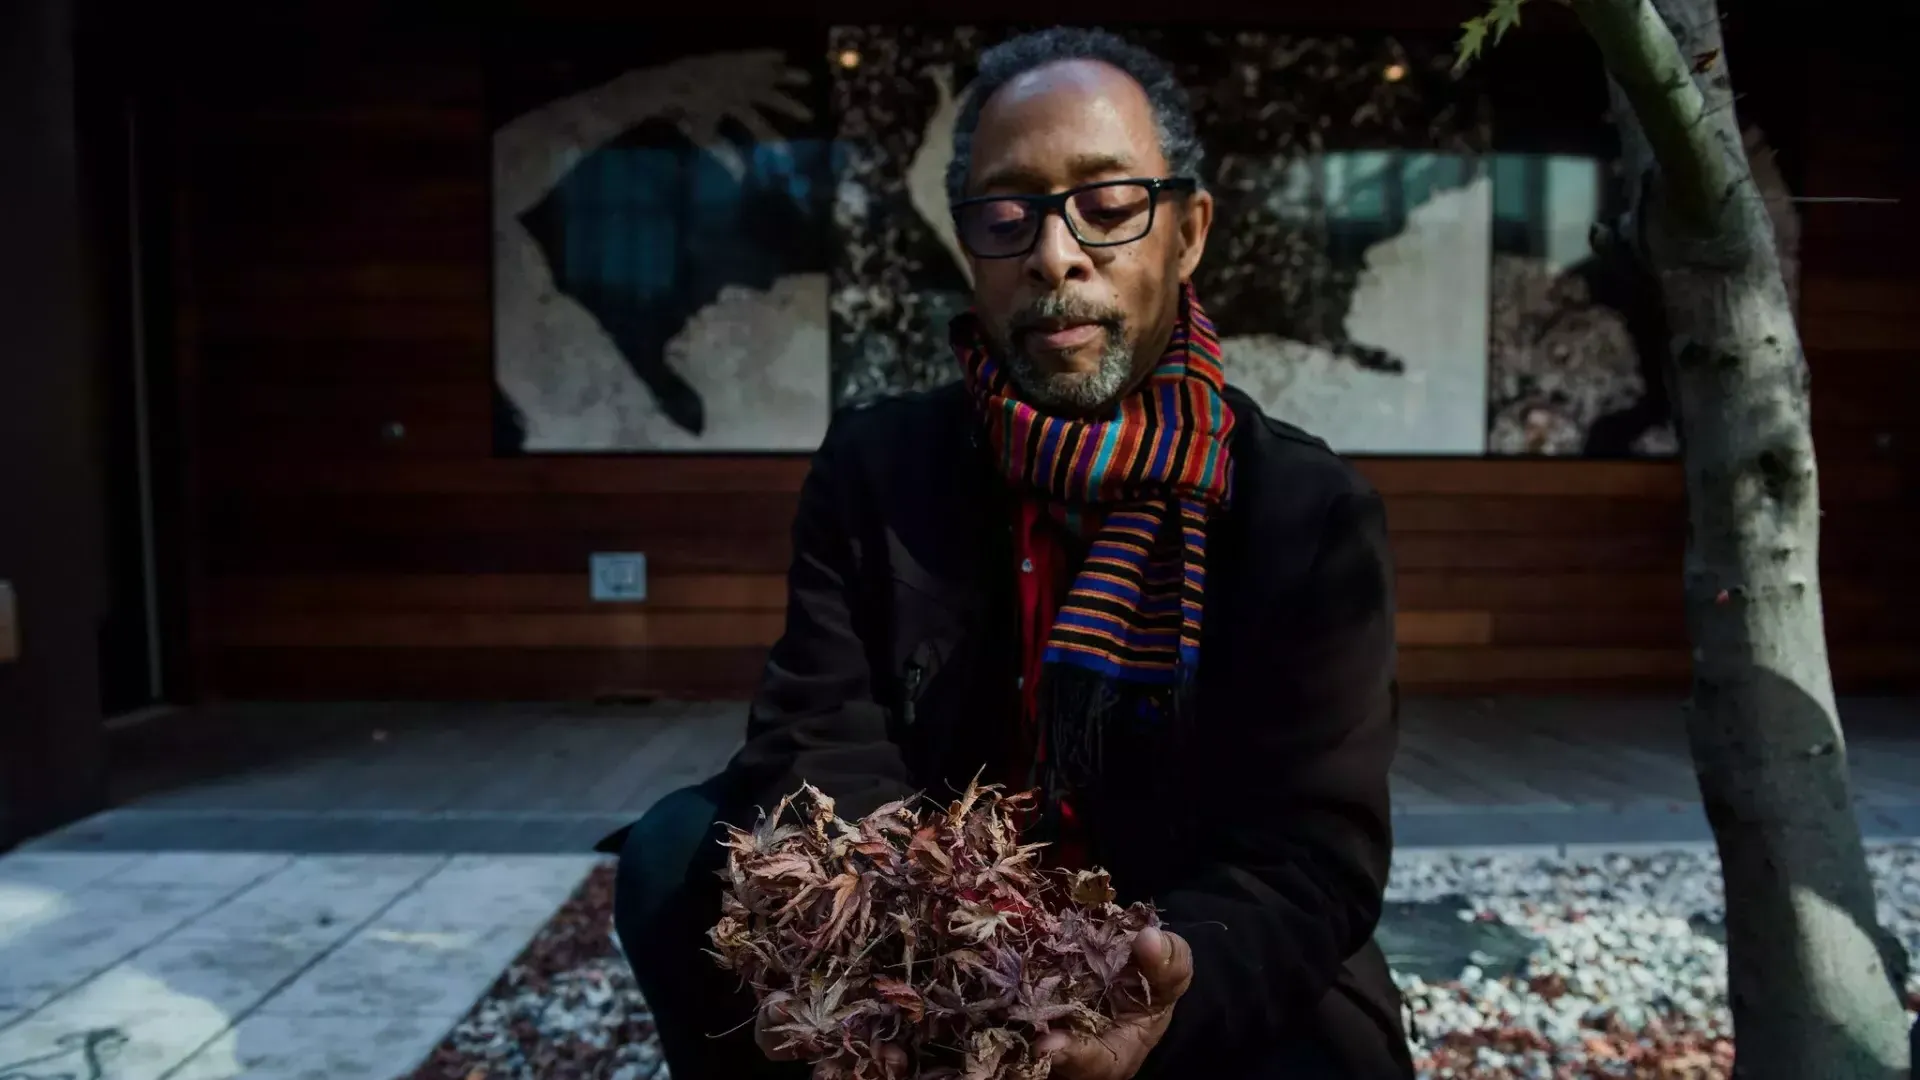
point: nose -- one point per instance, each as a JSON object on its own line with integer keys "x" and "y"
{"x": 1057, "y": 257}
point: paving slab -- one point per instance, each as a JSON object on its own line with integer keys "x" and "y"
{"x": 319, "y": 899}
{"x": 434, "y": 975}
{"x": 54, "y": 945}
{"x": 62, "y": 870}
{"x": 266, "y": 1046}
{"x": 489, "y": 891}
{"x": 232, "y": 870}
{"x": 127, "y": 1024}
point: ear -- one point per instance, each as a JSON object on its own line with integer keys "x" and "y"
{"x": 1196, "y": 221}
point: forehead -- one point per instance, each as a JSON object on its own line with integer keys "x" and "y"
{"x": 1062, "y": 123}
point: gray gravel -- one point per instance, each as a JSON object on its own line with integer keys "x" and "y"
{"x": 1603, "y": 965}
{"x": 582, "y": 1011}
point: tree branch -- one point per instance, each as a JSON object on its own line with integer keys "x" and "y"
{"x": 1700, "y": 175}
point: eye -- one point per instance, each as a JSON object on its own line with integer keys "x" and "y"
{"x": 1001, "y": 216}
{"x": 1111, "y": 205}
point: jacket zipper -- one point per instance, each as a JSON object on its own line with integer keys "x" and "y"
{"x": 914, "y": 674}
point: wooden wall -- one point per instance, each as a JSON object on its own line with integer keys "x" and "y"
{"x": 350, "y": 533}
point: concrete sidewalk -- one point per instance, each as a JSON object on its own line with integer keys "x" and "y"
{"x": 195, "y": 966}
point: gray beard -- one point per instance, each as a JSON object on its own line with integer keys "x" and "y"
{"x": 1073, "y": 392}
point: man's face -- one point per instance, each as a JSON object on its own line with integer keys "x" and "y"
{"x": 1079, "y": 326}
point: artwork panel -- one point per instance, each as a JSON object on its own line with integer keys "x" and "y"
{"x": 1407, "y": 372}
{"x": 1576, "y": 339}
{"x": 661, "y": 250}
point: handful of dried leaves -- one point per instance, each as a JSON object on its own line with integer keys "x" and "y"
{"x": 935, "y": 932}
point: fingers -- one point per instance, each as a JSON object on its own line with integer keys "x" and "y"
{"x": 1165, "y": 960}
{"x": 1116, "y": 1053}
{"x": 769, "y": 1041}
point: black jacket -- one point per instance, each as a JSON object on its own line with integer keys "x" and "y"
{"x": 1263, "y": 834}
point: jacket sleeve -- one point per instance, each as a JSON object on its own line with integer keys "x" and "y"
{"x": 1300, "y": 847}
{"x": 815, "y": 718}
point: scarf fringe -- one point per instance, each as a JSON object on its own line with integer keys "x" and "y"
{"x": 1084, "y": 716}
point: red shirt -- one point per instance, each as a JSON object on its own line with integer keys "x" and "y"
{"x": 1045, "y": 571}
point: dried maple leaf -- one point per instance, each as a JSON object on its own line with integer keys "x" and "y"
{"x": 926, "y": 841}
{"x": 961, "y": 807}
{"x": 900, "y": 994}
{"x": 846, "y": 888}
{"x": 978, "y": 922}
{"x": 774, "y": 867}
{"x": 767, "y": 834}
{"x": 986, "y": 1050}
{"x": 1106, "y": 954}
{"x": 937, "y": 934}
{"x": 1092, "y": 888}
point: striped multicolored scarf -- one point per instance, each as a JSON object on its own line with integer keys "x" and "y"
{"x": 1140, "y": 486}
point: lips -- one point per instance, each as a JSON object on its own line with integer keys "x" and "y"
{"x": 1061, "y": 336}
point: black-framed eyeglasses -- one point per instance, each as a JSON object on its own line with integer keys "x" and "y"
{"x": 1104, "y": 214}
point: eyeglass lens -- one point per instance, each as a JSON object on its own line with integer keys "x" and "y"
{"x": 1111, "y": 214}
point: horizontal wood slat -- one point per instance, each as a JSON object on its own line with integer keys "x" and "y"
{"x": 1867, "y": 669}
{"x": 526, "y": 630}
{"x": 614, "y": 475}
{"x": 1547, "y": 521}
{"x": 459, "y": 321}
{"x": 536, "y": 475}
{"x": 1430, "y": 591}
{"x": 1863, "y": 330}
{"x": 746, "y": 540}
{"x": 529, "y": 551}
{"x": 382, "y": 282}
{"x": 369, "y": 368}
{"x": 484, "y": 674}
{"x": 664, "y": 630}
{"x": 1507, "y": 591}
{"x": 507, "y": 595}
{"x": 1826, "y": 295}
{"x": 1443, "y": 628}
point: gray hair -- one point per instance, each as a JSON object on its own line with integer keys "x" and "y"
{"x": 1007, "y": 61}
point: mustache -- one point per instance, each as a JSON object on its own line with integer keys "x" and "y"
{"x": 1056, "y": 308}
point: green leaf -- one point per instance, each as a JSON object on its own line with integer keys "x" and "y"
{"x": 1473, "y": 38}
{"x": 1505, "y": 16}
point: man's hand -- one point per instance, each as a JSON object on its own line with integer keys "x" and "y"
{"x": 893, "y": 1059}
{"x": 1165, "y": 961}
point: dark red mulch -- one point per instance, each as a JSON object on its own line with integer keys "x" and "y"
{"x": 576, "y": 944}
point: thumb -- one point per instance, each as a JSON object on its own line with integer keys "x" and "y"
{"x": 1165, "y": 960}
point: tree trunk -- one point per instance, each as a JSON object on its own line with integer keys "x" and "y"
{"x": 1811, "y": 977}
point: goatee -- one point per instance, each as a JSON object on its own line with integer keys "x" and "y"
{"x": 1073, "y": 392}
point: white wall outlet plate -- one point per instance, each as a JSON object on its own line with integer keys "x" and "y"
{"x": 619, "y": 577}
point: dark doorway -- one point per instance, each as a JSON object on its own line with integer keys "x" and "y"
{"x": 120, "y": 211}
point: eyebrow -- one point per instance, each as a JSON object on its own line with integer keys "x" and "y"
{"x": 1079, "y": 167}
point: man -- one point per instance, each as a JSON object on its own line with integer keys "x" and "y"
{"x": 1089, "y": 568}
